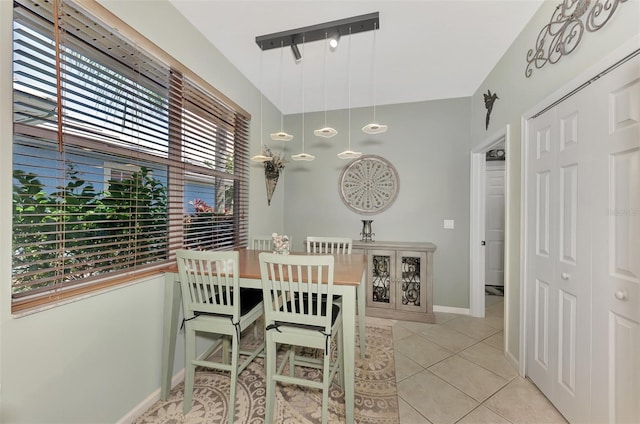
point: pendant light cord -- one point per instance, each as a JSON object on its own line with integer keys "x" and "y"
{"x": 302, "y": 71}
{"x": 261, "y": 97}
{"x": 373, "y": 55}
{"x": 325, "y": 78}
{"x": 349, "y": 76}
{"x": 281, "y": 113}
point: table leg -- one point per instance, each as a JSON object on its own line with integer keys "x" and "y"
{"x": 348, "y": 335}
{"x": 170, "y": 332}
{"x": 360, "y": 297}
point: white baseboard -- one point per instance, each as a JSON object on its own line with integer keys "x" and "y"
{"x": 451, "y": 310}
{"x": 143, "y": 406}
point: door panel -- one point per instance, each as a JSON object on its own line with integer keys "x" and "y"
{"x": 494, "y": 226}
{"x": 541, "y": 233}
{"x": 616, "y": 238}
{"x": 558, "y": 220}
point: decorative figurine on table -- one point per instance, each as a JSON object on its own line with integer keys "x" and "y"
{"x": 280, "y": 243}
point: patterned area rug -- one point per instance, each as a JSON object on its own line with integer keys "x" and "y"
{"x": 376, "y": 399}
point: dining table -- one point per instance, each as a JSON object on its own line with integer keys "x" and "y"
{"x": 348, "y": 282}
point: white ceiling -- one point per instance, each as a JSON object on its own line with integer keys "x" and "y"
{"x": 424, "y": 49}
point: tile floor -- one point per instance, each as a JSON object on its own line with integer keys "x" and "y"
{"x": 455, "y": 372}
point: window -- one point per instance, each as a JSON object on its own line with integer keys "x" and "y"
{"x": 150, "y": 158}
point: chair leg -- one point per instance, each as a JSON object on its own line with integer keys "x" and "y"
{"x": 235, "y": 354}
{"x": 190, "y": 369}
{"x": 326, "y": 383}
{"x": 270, "y": 362}
{"x": 340, "y": 358}
{"x": 225, "y": 349}
{"x": 292, "y": 360}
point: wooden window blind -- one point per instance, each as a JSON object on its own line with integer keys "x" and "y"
{"x": 149, "y": 160}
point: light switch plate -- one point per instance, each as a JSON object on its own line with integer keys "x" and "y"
{"x": 449, "y": 224}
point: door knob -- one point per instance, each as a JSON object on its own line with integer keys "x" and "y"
{"x": 621, "y": 295}
{"x": 565, "y": 276}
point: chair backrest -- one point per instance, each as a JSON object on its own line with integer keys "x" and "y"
{"x": 210, "y": 282}
{"x": 328, "y": 245}
{"x": 291, "y": 286}
{"x": 260, "y": 243}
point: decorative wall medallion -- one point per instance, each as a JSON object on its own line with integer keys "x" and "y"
{"x": 369, "y": 185}
{"x": 564, "y": 32}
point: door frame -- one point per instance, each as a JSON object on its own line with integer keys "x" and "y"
{"x": 576, "y": 83}
{"x": 478, "y": 216}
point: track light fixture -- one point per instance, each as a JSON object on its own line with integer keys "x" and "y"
{"x": 333, "y": 41}
{"x": 335, "y": 29}
{"x": 296, "y": 52}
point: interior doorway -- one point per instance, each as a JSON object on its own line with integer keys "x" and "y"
{"x": 497, "y": 144}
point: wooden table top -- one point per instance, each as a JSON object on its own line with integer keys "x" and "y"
{"x": 348, "y": 269}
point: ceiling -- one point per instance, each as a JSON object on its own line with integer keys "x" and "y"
{"x": 424, "y": 49}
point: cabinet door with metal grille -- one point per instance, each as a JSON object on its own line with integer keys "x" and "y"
{"x": 410, "y": 281}
{"x": 381, "y": 268}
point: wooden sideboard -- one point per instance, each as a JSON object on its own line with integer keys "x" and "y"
{"x": 399, "y": 282}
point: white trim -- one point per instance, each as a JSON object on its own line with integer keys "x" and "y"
{"x": 451, "y": 310}
{"x": 477, "y": 218}
{"x": 522, "y": 346}
{"x": 147, "y": 403}
{"x": 625, "y": 49}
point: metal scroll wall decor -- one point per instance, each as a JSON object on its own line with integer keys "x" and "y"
{"x": 564, "y": 32}
{"x": 488, "y": 104}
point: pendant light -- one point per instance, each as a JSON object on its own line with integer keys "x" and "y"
{"x": 374, "y": 127}
{"x": 303, "y": 156}
{"x": 327, "y": 131}
{"x": 349, "y": 154}
{"x": 281, "y": 135}
{"x": 261, "y": 157}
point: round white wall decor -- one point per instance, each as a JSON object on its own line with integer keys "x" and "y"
{"x": 369, "y": 184}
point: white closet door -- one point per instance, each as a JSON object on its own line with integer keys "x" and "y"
{"x": 542, "y": 250}
{"x": 494, "y": 226}
{"x": 559, "y": 275}
{"x": 616, "y": 238}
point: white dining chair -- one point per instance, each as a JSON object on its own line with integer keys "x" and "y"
{"x": 260, "y": 242}
{"x": 296, "y": 316}
{"x": 213, "y": 302}
{"x": 326, "y": 245}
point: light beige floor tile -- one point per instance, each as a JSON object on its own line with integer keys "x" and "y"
{"x": 405, "y": 366}
{"x": 472, "y": 379}
{"x": 472, "y": 327}
{"x": 408, "y": 415}
{"x": 494, "y": 310}
{"x": 442, "y": 317}
{"x": 492, "y": 300}
{"x": 448, "y": 338}
{"x": 415, "y": 327}
{"x": 482, "y": 415}
{"x": 496, "y": 341}
{"x": 421, "y": 350}
{"x": 400, "y": 332}
{"x": 491, "y": 359}
{"x": 435, "y": 399}
{"x": 495, "y": 321}
{"x": 520, "y": 401}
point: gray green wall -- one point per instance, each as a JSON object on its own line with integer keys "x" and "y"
{"x": 518, "y": 95}
{"x": 95, "y": 359}
{"x": 428, "y": 144}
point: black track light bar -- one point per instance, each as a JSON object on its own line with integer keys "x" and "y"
{"x": 362, "y": 23}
